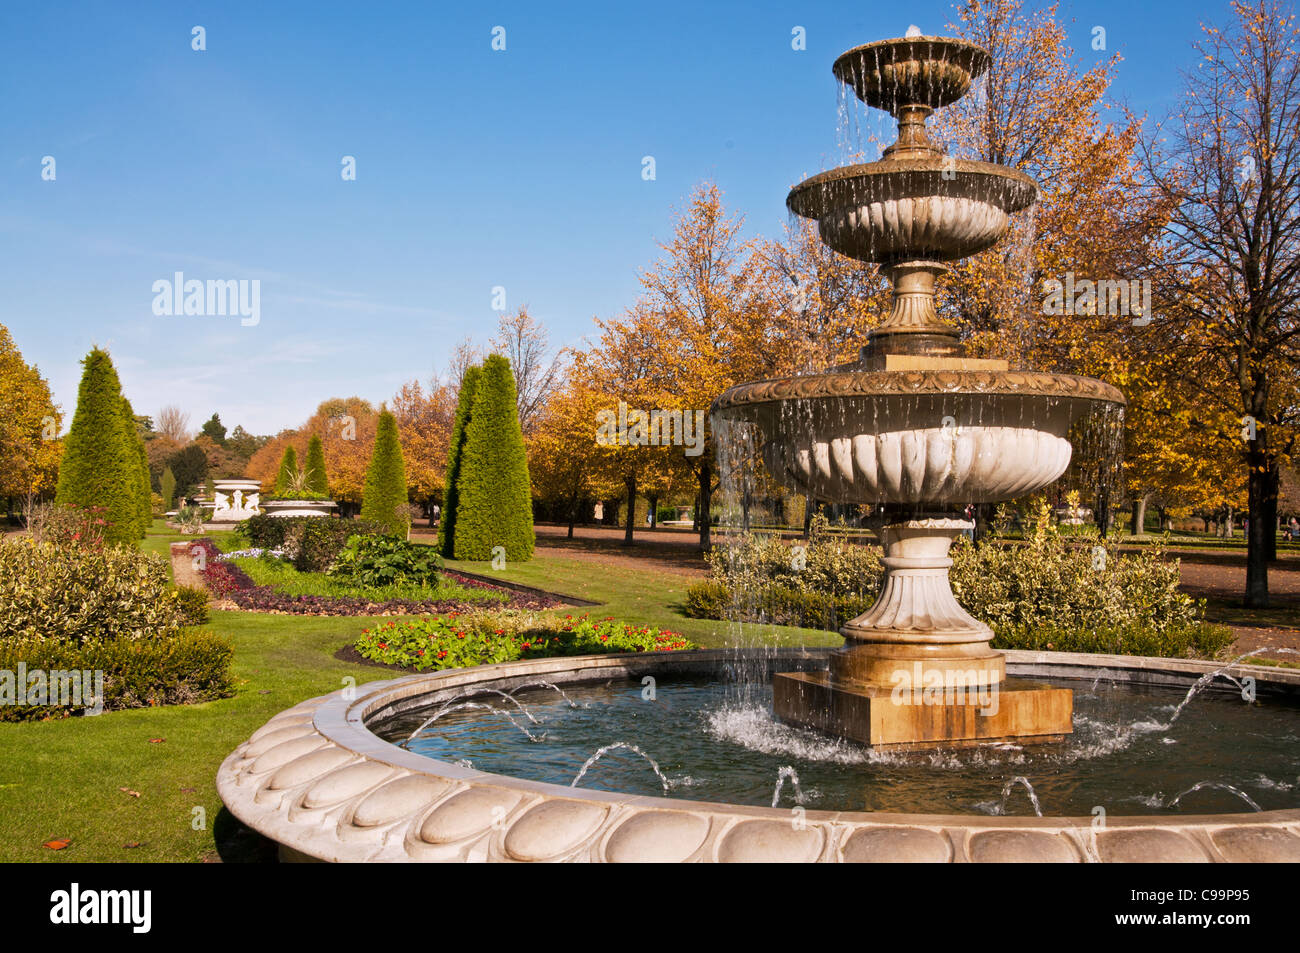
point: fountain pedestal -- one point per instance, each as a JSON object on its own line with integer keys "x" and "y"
{"x": 916, "y": 668}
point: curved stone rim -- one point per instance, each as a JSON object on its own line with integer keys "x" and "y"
{"x": 303, "y": 778}
{"x": 921, "y": 178}
{"x": 837, "y": 384}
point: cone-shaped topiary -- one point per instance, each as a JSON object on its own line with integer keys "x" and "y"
{"x": 284, "y": 480}
{"x": 99, "y": 466}
{"x": 451, "y": 490}
{"x": 384, "y": 498}
{"x": 143, "y": 494}
{"x": 318, "y": 482}
{"x": 495, "y": 505}
{"x": 167, "y": 484}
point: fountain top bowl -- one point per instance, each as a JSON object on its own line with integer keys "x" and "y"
{"x": 932, "y": 71}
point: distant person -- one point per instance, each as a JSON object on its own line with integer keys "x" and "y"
{"x": 1293, "y": 528}
{"x": 600, "y": 513}
{"x": 436, "y": 511}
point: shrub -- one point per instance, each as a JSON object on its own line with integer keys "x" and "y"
{"x": 181, "y": 668}
{"x": 99, "y": 467}
{"x": 311, "y": 543}
{"x": 451, "y": 491}
{"x": 1051, "y": 583}
{"x": 84, "y": 595}
{"x": 486, "y": 638}
{"x": 287, "y": 474}
{"x": 317, "y": 481}
{"x": 189, "y": 520}
{"x": 826, "y": 563}
{"x": 495, "y": 504}
{"x": 384, "y": 498}
{"x": 386, "y": 561}
{"x": 66, "y": 525}
{"x": 194, "y": 604}
{"x": 1049, "y": 592}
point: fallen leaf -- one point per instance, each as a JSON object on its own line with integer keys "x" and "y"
{"x": 130, "y": 792}
{"x": 59, "y": 844}
{"x": 264, "y": 691}
{"x": 156, "y": 741}
{"x": 187, "y": 790}
{"x": 131, "y": 844}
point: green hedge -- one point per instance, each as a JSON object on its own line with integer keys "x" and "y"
{"x": 384, "y": 498}
{"x": 311, "y": 543}
{"x": 99, "y": 467}
{"x": 181, "y": 669}
{"x": 495, "y": 503}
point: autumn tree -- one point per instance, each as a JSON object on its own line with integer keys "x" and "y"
{"x": 1228, "y": 165}
{"x": 562, "y": 450}
{"x": 424, "y": 421}
{"x": 523, "y": 341}
{"x": 174, "y": 423}
{"x": 29, "y": 426}
{"x": 710, "y": 322}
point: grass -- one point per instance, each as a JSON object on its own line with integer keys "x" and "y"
{"x": 638, "y": 594}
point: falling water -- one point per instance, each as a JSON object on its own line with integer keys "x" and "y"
{"x": 782, "y": 775}
{"x": 601, "y": 752}
{"x": 468, "y": 706}
{"x": 1204, "y": 681}
{"x": 571, "y": 703}
{"x": 1006, "y": 793}
{"x": 1218, "y": 785}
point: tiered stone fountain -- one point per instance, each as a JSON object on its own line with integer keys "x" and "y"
{"x": 914, "y": 428}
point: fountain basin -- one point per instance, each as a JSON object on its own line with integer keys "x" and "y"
{"x": 322, "y": 785}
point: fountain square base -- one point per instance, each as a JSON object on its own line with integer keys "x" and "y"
{"x": 1016, "y": 710}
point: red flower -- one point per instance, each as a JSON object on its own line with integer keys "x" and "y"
{"x": 383, "y": 645}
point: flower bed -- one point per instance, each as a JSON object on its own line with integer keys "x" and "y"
{"x": 227, "y": 580}
{"x": 456, "y": 640}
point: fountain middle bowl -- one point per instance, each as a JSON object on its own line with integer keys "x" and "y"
{"x": 916, "y": 437}
{"x": 931, "y": 207}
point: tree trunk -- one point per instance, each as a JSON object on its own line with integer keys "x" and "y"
{"x": 631, "y": 510}
{"x": 1138, "y": 525}
{"x": 573, "y": 513}
{"x": 654, "y": 510}
{"x": 1256, "y": 530}
{"x": 702, "y": 511}
{"x": 809, "y": 509}
{"x": 1268, "y": 517}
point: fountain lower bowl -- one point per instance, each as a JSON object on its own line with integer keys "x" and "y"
{"x": 320, "y": 783}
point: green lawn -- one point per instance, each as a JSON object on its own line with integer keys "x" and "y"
{"x": 63, "y": 779}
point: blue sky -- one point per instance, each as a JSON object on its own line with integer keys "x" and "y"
{"x": 475, "y": 169}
